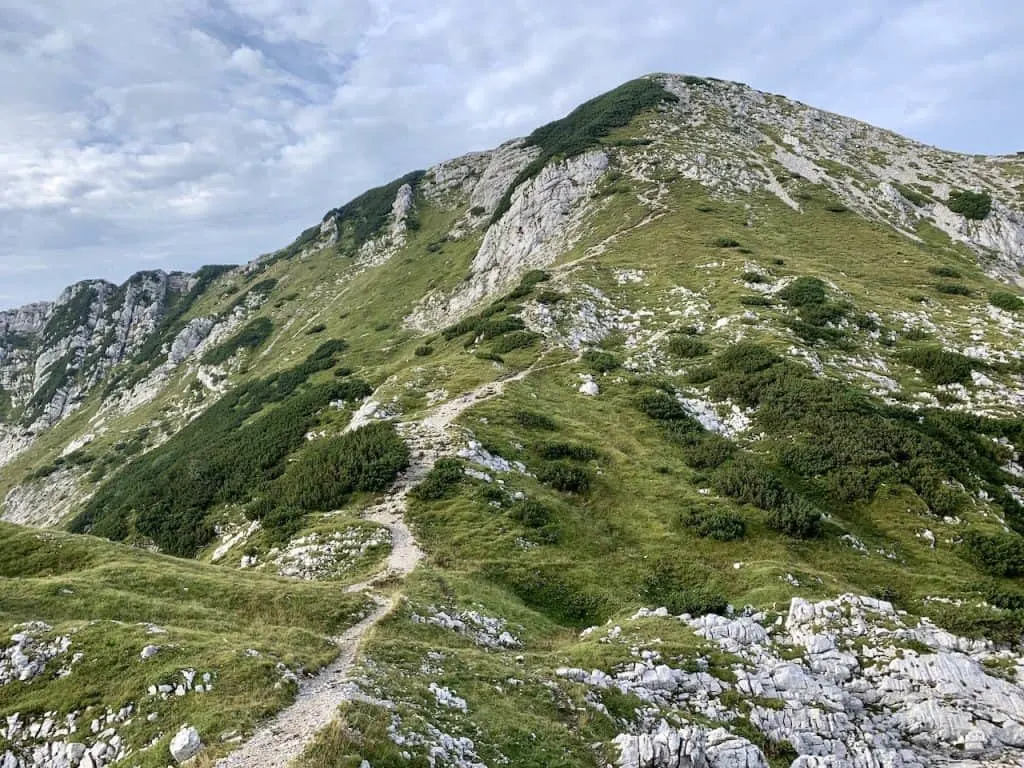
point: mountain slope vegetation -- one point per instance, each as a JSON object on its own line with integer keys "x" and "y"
{"x": 704, "y": 407}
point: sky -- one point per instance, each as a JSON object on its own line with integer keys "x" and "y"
{"x": 144, "y": 134}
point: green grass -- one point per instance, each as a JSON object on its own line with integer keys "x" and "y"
{"x": 103, "y": 595}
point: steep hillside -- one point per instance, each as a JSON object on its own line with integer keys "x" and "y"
{"x": 702, "y": 405}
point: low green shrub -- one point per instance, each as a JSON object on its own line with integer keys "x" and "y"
{"x": 251, "y": 336}
{"x": 565, "y": 477}
{"x": 1000, "y": 554}
{"x": 534, "y": 420}
{"x": 564, "y": 450}
{"x": 330, "y": 470}
{"x": 441, "y": 482}
{"x": 315, "y": 329}
{"x": 513, "y": 341}
{"x": 423, "y": 350}
{"x": 750, "y": 276}
{"x": 953, "y": 289}
{"x": 797, "y": 518}
{"x": 661, "y": 406}
{"x": 971, "y": 205}
{"x": 708, "y": 450}
{"x": 756, "y": 301}
{"x": 726, "y": 242}
{"x": 749, "y": 482}
{"x": 1010, "y": 302}
{"x": 938, "y": 366}
{"x": 530, "y": 513}
{"x": 713, "y": 522}
{"x": 687, "y": 346}
{"x": 943, "y": 271}
{"x": 804, "y": 291}
{"x": 601, "y": 361}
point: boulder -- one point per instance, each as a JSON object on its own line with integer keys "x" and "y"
{"x": 186, "y": 744}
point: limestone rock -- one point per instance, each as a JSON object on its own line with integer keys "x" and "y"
{"x": 186, "y": 744}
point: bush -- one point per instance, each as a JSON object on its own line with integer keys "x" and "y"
{"x": 477, "y": 210}
{"x": 751, "y": 276}
{"x": 756, "y": 301}
{"x": 661, "y": 406}
{"x": 528, "y": 282}
{"x": 748, "y": 482}
{"x": 798, "y": 518}
{"x": 970, "y": 205}
{"x": 534, "y": 420}
{"x": 953, "y": 289}
{"x": 945, "y": 272}
{"x": 251, "y": 336}
{"x": 441, "y": 482}
{"x": 682, "y": 589}
{"x": 530, "y": 513}
{"x": 726, "y": 242}
{"x": 561, "y": 450}
{"x": 499, "y": 326}
{"x": 803, "y": 291}
{"x": 600, "y": 361}
{"x": 713, "y": 523}
{"x": 565, "y": 477}
{"x": 1011, "y": 302}
{"x": 549, "y": 298}
{"x": 746, "y": 357}
{"x": 708, "y": 451}
{"x": 314, "y": 329}
{"x": 687, "y": 346}
{"x": 366, "y": 459}
{"x": 424, "y": 350}
{"x": 1000, "y": 554}
{"x": 938, "y": 366}
{"x": 513, "y": 341}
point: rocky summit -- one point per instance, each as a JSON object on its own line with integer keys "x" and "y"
{"x": 683, "y": 432}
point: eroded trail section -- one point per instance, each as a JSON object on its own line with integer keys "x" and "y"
{"x": 280, "y": 741}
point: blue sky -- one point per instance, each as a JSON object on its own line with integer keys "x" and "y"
{"x": 138, "y": 134}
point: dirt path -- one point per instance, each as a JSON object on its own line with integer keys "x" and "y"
{"x": 280, "y": 741}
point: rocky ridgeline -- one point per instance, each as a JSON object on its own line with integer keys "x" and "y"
{"x": 848, "y": 683}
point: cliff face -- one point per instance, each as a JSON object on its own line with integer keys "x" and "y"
{"x": 53, "y": 354}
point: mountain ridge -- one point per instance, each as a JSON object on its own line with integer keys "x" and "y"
{"x": 703, "y": 410}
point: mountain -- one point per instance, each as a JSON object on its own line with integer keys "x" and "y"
{"x": 684, "y": 431}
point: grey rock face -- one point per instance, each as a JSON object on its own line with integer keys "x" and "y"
{"x": 540, "y": 224}
{"x": 52, "y": 355}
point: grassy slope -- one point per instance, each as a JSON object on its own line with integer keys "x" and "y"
{"x": 599, "y": 549}
{"x": 102, "y": 595}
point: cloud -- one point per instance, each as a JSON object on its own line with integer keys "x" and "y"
{"x": 179, "y": 132}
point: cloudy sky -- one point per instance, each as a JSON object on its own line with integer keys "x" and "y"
{"x": 137, "y": 134}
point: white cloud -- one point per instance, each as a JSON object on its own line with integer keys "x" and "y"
{"x": 178, "y": 132}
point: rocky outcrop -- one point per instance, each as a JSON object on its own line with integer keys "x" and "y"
{"x": 53, "y": 355}
{"x": 691, "y": 746}
{"x": 43, "y": 502}
{"x": 542, "y": 223}
{"x": 848, "y": 683}
{"x": 736, "y": 140}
